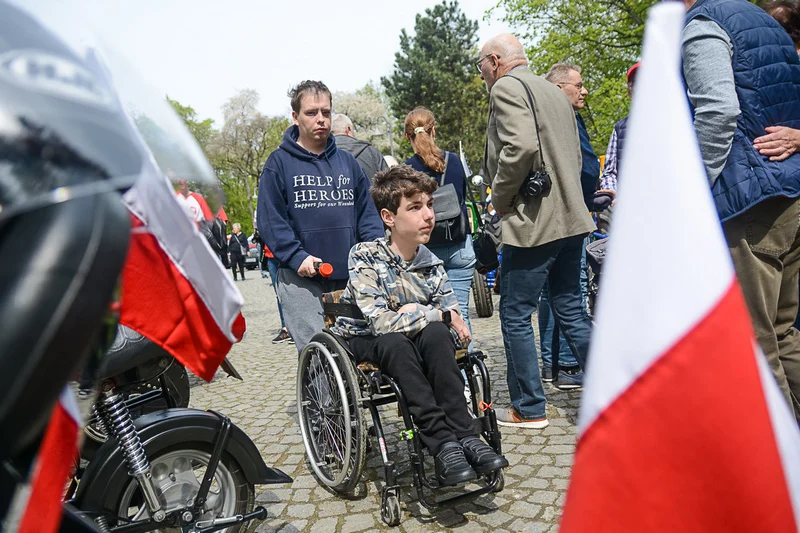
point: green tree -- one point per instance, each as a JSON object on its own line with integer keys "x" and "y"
{"x": 203, "y": 130}
{"x": 367, "y": 108}
{"x": 435, "y": 68}
{"x": 239, "y": 151}
{"x": 603, "y": 37}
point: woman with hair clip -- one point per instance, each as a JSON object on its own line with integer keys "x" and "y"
{"x": 457, "y": 255}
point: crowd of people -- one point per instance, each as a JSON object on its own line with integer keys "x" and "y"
{"x": 399, "y": 238}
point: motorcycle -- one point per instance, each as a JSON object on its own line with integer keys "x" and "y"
{"x": 185, "y": 468}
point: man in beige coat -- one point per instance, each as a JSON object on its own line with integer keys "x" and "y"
{"x": 542, "y": 235}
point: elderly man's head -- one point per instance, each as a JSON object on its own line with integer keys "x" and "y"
{"x": 499, "y": 55}
{"x": 342, "y": 125}
{"x": 568, "y": 78}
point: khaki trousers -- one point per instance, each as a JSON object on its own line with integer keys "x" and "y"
{"x": 765, "y": 245}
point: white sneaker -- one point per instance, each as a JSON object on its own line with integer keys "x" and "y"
{"x": 508, "y": 416}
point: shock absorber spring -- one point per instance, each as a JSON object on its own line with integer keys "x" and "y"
{"x": 117, "y": 421}
{"x": 102, "y": 524}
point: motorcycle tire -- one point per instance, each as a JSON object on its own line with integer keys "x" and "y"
{"x": 178, "y": 470}
{"x": 482, "y": 295}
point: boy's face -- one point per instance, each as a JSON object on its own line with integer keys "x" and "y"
{"x": 414, "y": 220}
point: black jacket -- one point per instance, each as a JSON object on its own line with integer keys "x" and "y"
{"x": 235, "y": 244}
{"x": 368, "y": 157}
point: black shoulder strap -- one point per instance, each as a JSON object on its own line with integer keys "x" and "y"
{"x": 531, "y": 101}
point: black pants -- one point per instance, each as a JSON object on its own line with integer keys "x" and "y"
{"x": 425, "y": 368}
{"x": 237, "y": 260}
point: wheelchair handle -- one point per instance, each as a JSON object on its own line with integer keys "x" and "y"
{"x": 325, "y": 269}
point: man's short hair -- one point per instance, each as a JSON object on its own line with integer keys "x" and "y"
{"x": 340, "y": 122}
{"x": 559, "y": 73}
{"x": 297, "y": 92}
{"x": 392, "y": 185}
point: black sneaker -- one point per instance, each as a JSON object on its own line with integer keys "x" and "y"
{"x": 452, "y": 467}
{"x": 481, "y": 456}
{"x": 283, "y": 336}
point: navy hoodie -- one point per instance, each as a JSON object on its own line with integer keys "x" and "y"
{"x": 316, "y": 205}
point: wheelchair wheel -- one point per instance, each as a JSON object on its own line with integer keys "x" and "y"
{"x": 329, "y": 409}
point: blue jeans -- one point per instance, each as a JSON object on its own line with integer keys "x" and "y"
{"x": 272, "y": 267}
{"x": 523, "y": 274}
{"x": 459, "y": 263}
{"x": 551, "y": 339}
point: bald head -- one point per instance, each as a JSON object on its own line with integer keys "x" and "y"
{"x": 342, "y": 125}
{"x": 506, "y": 46}
{"x": 499, "y": 55}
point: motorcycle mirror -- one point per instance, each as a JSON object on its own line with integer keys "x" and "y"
{"x": 477, "y": 180}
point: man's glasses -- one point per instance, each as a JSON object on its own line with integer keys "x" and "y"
{"x": 578, "y": 85}
{"x": 479, "y": 62}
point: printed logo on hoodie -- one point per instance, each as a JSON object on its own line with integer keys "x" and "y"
{"x": 316, "y": 192}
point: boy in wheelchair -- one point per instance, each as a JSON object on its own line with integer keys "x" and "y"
{"x": 409, "y": 311}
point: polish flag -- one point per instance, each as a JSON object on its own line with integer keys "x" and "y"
{"x": 53, "y": 467}
{"x": 175, "y": 291}
{"x": 682, "y": 426}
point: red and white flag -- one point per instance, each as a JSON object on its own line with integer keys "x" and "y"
{"x": 53, "y": 467}
{"x": 175, "y": 291}
{"x": 682, "y": 426}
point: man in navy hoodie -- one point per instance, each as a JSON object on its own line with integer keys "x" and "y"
{"x": 313, "y": 206}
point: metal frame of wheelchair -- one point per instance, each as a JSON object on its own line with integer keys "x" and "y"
{"x": 332, "y": 392}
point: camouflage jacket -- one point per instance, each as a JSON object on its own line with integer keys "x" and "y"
{"x": 381, "y": 283}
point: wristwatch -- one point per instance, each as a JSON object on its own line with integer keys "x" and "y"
{"x": 446, "y": 317}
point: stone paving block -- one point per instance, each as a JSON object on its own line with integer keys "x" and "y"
{"x": 522, "y": 526}
{"x": 301, "y": 495}
{"x": 553, "y": 471}
{"x": 524, "y": 509}
{"x": 326, "y": 525}
{"x": 358, "y": 522}
{"x": 558, "y": 449}
{"x": 543, "y": 496}
{"x": 535, "y": 483}
{"x": 332, "y": 508}
{"x": 300, "y": 510}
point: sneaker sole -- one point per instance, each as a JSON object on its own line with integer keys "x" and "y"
{"x": 568, "y": 387}
{"x": 548, "y": 380}
{"x": 464, "y": 478}
{"x": 529, "y": 425}
{"x": 501, "y": 462}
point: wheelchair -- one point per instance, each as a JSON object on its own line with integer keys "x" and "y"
{"x": 333, "y": 390}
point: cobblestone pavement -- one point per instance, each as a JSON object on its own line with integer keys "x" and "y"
{"x": 264, "y": 407}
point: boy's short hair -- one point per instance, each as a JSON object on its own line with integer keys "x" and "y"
{"x": 394, "y": 184}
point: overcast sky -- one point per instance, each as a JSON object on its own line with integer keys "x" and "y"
{"x": 200, "y": 52}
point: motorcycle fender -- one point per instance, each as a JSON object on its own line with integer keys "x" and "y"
{"x": 106, "y": 475}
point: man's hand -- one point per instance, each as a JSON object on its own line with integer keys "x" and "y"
{"x": 779, "y": 143}
{"x": 458, "y": 325}
{"x": 307, "y": 269}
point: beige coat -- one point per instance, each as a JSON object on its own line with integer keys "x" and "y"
{"x": 512, "y": 152}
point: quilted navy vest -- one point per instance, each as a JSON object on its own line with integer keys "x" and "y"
{"x": 766, "y": 71}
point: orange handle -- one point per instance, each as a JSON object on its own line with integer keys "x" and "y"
{"x": 325, "y": 269}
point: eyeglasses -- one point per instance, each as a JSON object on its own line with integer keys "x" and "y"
{"x": 578, "y": 85}
{"x": 479, "y": 62}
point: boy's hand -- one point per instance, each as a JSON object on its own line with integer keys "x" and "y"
{"x": 407, "y": 308}
{"x": 460, "y": 327}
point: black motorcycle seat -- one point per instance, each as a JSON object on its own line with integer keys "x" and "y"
{"x": 129, "y": 350}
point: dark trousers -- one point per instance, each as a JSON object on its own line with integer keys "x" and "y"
{"x": 425, "y": 368}
{"x": 237, "y": 260}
